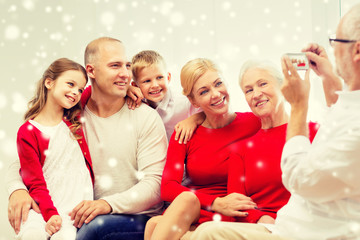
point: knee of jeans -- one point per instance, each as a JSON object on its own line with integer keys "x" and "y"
{"x": 90, "y": 229}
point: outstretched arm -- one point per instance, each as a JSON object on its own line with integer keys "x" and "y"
{"x": 320, "y": 64}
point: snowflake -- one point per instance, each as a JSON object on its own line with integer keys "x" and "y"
{"x": 254, "y": 49}
{"x": 174, "y": 228}
{"x": 166, "y": 7}
{"x": 99, "y": 221}
{"x": 140, "y": 175}
{"x": 178, "y": 166}
{"x": 177, "y": 18}
{"x": 226, "y": 5}
{"x": 19, "y": 103}
{"x": 12, "y": 8}
{"x": 112, "y": 162}
{"x": 260, "y": 164}
{"x": 134, "y": 195}
{"x": 107, "y": 18}
{"x": 28, "y": 5}
{"x": 56, "y": 36}
{"x": 105, "y": 181}
{"x": 67, "y": 18}
{"x": 2, "y": 134}
{"x": 59, "y": 8}
{"x": 12, "y": 32}
{"x": 121, "y": 7}
{"x": 48, "y": 9}
{"x": 279, "y": 39}
{"x": 25, "y": 35}
{"x": 217, "y": 217}
{"x": 3, "y": 101}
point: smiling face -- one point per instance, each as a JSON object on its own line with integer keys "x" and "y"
{"x": 262, "y": 92}
{"x": 110, "y": 70}
{"x": 153, "y": 82}
{"x": 209, "y": 92}
{"x": 66, "y": 90}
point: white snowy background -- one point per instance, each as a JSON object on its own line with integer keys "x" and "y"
{"x": 33, "y": 33}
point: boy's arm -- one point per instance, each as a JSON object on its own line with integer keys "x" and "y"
{"x": 134, "y": 97}
{"x": 185, "y": 128}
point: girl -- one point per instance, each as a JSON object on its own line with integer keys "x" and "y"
{"x": 54, "y": 167}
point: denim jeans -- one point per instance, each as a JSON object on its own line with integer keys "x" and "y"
{"x": 114, "y": 227}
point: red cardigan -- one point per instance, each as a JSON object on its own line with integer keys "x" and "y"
{"x": 254, "y": 170}
{"x": 32, "y": 144}
{"x": 206, "y": 156}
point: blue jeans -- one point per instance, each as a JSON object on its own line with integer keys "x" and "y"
{"x": 114, "y": 227}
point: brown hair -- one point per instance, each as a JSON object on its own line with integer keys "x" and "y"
{"x": 145, "y": 59}
{"x": 37, "y": 104}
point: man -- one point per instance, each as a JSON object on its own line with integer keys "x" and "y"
{"x": 323, "y": 178}
{"x": 128, "y": 150}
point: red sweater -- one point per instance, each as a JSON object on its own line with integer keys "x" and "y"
{"x": 206, "y": 157}
{"x": 254, "y": 170}
{"x": 32, "y": 146}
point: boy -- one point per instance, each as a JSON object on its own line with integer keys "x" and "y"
{"x": 150, "y": 75}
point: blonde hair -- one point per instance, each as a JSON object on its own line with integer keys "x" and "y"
{"x": 193, "y": 70}
{"x": 145, "y": 59}
{"x": 37, "y": 103}
{"x": 92, "y": 49}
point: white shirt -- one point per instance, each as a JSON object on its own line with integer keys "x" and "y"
{"x": 324, "y": 177}
{"x": 128, "y": 151}
{"x": 65, "y": 172}
{"x": 174, "y": 108}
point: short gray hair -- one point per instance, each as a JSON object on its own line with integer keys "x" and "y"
{"x": 268, "y": 66}
{"x": 351, "y": 23}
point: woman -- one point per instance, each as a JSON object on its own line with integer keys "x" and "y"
{"x": 254, "y": 170}
{"x": 205, "y": 157}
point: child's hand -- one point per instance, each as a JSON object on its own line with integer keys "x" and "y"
{"x": 184, "y": 130}
{"x": 134, "y": 97}
{"x": 53, "y": 224}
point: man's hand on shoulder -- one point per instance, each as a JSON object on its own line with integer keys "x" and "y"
{"x": 87, "y": 210}
{"x": 19, "y": 205}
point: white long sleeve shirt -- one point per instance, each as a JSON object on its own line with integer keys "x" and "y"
{"x": 324, "y": 177}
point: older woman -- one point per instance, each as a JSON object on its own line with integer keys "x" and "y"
{"x": 205, "y": 156}
{"x": 254, "y": 169}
